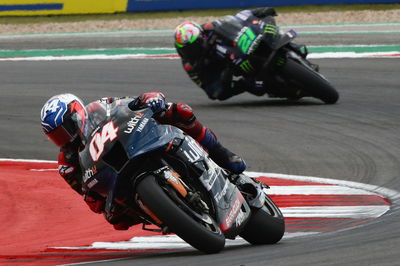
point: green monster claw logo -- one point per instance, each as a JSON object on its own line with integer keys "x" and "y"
{"x": 280, "y": 62}
{"x": 246, "y": 66}
{"x": 271, "y": 29}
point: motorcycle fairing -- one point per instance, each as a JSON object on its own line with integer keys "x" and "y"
{"x": 232, "y": 210}
{"x": 139, "y": 134}
{"x": 132, "y": 127}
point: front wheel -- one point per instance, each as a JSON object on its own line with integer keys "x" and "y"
{"x": 307, "y": 79}
{"x": 205, "y": 237}
{"x": 266, "y": 225}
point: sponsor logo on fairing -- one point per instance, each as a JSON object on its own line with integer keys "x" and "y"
{"x": 242, "y": 16}
{"x": 95, "y": 131}
{"x": 221, "y": 50}
{"x": 89, "y": 173}
{"x": 240, "y": 218}
{"x": 92, "y": 183}
{"x": 133, "y": 122}
{"x": 221, "y": 193}
{"x": 142, "y": 124}
{"x": 195, "y": 151}
{"x": 232, "y": 213}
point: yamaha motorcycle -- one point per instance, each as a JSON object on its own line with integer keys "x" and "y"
{"x": 157, "y": 175}
{"x": 270, "y": 59}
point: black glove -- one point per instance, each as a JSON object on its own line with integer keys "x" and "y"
{"x": 263, "y": 12}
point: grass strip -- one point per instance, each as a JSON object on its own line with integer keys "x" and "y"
{"x": 166, "y": 51}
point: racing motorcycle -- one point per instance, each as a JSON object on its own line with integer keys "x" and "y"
{"x": 271, "y": 59}
{"x": 162, "y": 178}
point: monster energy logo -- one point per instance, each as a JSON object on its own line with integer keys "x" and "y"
{"x": 280, "y": 61}
{"x": 246, "y": 66}
{"x": 271, "y": 29}
{"x": 246, "y": 39}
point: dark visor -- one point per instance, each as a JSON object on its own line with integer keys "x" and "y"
{"x": 60, "y": 136}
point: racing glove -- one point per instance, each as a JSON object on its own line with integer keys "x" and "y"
{"x": 155, "y": 100}
{"x": 263, "y": 12}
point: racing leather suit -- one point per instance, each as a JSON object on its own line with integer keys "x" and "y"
{"x": 216, "y": 69}
{"x": 176, "y": 114}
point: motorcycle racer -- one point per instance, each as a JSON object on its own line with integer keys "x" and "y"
{"x": 63, "y": 119}
{"x": 216, "y": 62}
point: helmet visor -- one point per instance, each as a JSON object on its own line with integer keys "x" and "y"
{"x": 193, "y": 51}
{"x": 60, "y": 136}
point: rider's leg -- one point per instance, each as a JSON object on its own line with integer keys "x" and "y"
{"x": 256, "y": 87}
{"x": 181, "y": 116}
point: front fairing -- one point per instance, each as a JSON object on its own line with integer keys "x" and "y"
{"x": 116, "y": 135}
{"x": 249, "y": 34}
{"x": 149, "y": 135}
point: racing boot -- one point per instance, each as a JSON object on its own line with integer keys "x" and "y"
{"x": 256, "y": 87}
{"x": 251, "y": 188}
{"x": 221, "y": 155}
{"x": 227, "y": 159}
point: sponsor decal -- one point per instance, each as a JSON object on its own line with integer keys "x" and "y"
{"x": 221, "y": 49}
{"x": 246, "y": 66}
{"x": 172, "y": 176}
{"x": 232, "y": 214}
{"x": 242, "y": 16}
{"x": 221, "y": 193}
{"x": 195, "y": 151}
{"x": 255, "y": 44}
{"x": 271, "y": 29}
{"x": 95, "y": 131}
{"x": 92, "y": 183}
{"x": 208, "y": 178}
{"x": 142, "y": 124}
{"x": 108, "y": 133}
{"x": 133, "y": 122}
{"x": 240, "y": 218}
{"x": 89, "y": 173}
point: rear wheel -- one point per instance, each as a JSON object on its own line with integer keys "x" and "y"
{"x": 205, "y": 236}
{"x": 307, "y": 79}
{"x": 266, "y": 225}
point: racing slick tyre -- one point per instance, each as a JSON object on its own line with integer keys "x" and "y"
{"x": 202, "y": 236}
{"x": 310, "y": 81}
{"x": 266, "y": 225}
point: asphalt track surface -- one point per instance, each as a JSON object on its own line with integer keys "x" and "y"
{"x": 356, "y": 139}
